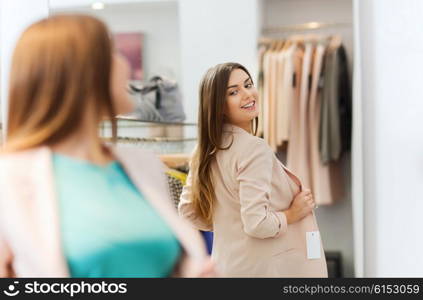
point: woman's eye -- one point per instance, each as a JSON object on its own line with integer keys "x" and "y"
{"x": 233, "y": 93}
{"x": 249, "y": 85}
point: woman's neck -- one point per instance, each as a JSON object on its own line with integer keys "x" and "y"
{"x": 245, "y": 126}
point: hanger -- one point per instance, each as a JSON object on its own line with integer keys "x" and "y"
{"x": 273, "y": 45}
{"x": 335, "y": 41}
{"x": 280, "y": 45}
{"x": 297, "y": 39}
{"x": 286, "y": 45}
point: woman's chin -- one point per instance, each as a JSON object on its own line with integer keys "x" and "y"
{"x": 253, "y": 115}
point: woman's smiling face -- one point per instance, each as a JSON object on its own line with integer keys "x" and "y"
{"x": 241, "y": 99}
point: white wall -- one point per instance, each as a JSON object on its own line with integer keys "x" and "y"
{"x": 391, "y": 45}
{"x": 157, "y": 20}
{"x": 357, "y": 151}
{"x": 66, "y": 4}
{"x": 213, "y": 32}
{"x": 15, "y": 16}
{"x": 335, "y": 221}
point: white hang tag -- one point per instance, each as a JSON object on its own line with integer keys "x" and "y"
{"x": 313, "y": 244}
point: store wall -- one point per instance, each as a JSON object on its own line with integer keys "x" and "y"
{"x": 157, "y": 20}
{"x": 213, "y": 32}
{"x": 335, "y": 221}
{"x": 391, "y": 45}
{"x": 65, "y": 4}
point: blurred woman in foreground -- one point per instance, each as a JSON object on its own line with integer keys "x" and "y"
{"x": 69, "y": 205}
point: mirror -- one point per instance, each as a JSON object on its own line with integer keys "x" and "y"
{"x": 146, "y": 33}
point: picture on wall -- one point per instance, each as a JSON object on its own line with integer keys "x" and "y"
{"x": 130, "y": 45}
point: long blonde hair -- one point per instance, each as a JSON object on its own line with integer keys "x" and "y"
{"x": 61, "y": 65}
{"x": 212, "y": 97}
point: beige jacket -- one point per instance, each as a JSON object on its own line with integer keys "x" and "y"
{"x": 29, "y": 222}
{"x": 251, "y": 235}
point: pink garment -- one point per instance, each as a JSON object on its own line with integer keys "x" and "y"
{"x": 320, "y": 173}
{"x": 286, "y": 95}
{"x": 270, "y": 136}
{"x": 298, "y": 158}
{"x": 266, "y": 94}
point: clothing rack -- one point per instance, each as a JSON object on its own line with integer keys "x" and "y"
{"x": 149, "y": 123}
{"x": 150, "y": 139}
{"x": 304, "y": 27}
{"x": 158, "y": 145}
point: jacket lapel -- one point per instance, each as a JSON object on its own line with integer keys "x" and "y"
{"x": 44, "y": 214}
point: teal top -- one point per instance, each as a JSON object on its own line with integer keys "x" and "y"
{"x": 108, "y": 229}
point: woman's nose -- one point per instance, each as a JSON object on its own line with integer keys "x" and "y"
{"x": 246, "y": 93}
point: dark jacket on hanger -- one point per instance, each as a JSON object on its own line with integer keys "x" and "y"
{"x": 336, "y": 111}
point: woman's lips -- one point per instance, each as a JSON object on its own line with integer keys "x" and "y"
{"x": 249, "y": 106}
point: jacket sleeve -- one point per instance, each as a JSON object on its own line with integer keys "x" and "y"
{"x": 254, "y": 175}
{"x": 186, "y": 209}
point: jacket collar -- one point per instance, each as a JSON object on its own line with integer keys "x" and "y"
{"x": 227, "y": 127}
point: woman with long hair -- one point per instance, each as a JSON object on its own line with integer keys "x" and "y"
{"x": 69, "y": 204}
{"x": 261, "y": 216}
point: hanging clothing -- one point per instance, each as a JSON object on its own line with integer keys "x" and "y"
{"x": 266, "y": 94}
{"x": 279, "y": 105}
{"x": 298, "y": 158}
{"x": 320, "y": 173}
{"x": 306, "y": 114}
{"x": 336, "y": 112}
{"x": 260, "y": 87}
{"x": 286, "y": 95}
{"x": 272, "y": 101}
{"x": 345, "y": 100}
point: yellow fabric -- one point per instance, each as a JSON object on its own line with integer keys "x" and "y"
{"x": 178, "y": 175}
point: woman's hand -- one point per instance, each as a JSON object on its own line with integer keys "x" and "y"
{"x": 301, "y": 206}
{"x": 194, "y": 268}
{"x": 208, "y": 269}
